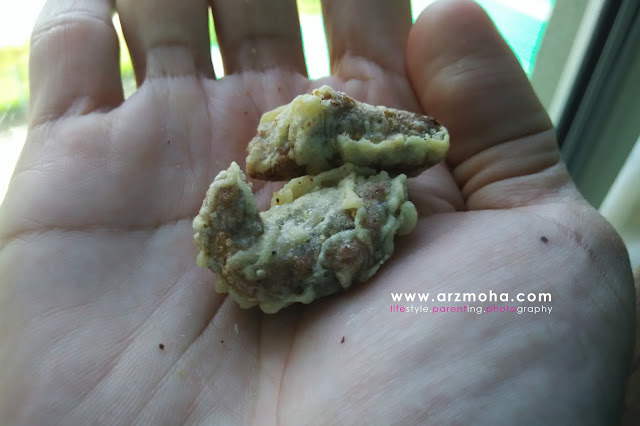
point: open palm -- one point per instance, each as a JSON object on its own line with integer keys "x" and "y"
{"x": 105, "y": 318}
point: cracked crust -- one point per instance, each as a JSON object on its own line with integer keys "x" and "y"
{"x": 326, "y": 129}
{"x": 321, "y": 235}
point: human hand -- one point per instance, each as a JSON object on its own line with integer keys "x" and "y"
{"x": 98, "y": 261}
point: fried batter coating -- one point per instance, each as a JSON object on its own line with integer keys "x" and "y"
{"x": 326, "y": 129}
{"x": 322, "y": 234}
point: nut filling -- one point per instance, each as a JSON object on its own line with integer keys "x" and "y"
{"x": 323, "y": 232}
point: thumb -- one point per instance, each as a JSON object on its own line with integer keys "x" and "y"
{"x": 503, "y": 147}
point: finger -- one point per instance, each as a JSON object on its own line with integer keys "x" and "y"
{"x": 366, "y": 32}
{"x": 503, "y": 149}
{"x": 74, "y": 60}
{"x": 166, "y": 38}
{"x": 258, "y": 34}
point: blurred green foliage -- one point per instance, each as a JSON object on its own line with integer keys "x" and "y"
{"x": 309, "y": 7}
{"x": 14, "y": 83}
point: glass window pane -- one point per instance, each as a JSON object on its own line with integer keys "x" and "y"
{"x": 521, "y": 23}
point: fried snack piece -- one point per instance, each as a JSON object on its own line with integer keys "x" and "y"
{"x": 322, "y": 234}
{"x": 326, "y": 129}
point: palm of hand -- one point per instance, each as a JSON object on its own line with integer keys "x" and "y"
{"x": 107, "y": 226}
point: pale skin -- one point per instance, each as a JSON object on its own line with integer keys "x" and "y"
{"x": 98, "y": 264}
